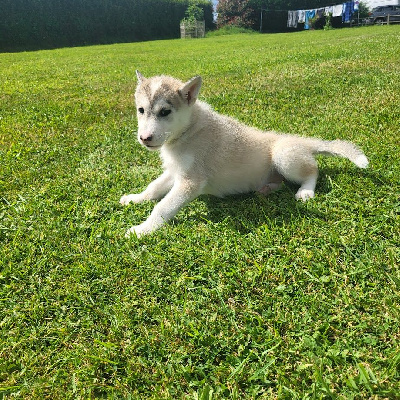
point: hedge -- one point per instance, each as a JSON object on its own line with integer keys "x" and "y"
{"x": 41, "y": 24}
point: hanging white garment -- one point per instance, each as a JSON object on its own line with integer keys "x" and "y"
{"x": 302, "y": 16}
{"x": 337, "y": 10}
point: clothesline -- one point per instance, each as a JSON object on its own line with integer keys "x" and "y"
{"x": 344, "y": 10}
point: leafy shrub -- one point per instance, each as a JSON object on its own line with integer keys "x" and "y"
{"x": 35, "y": 24}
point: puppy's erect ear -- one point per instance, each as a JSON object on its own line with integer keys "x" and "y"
{"x": 140, "y": 77}
{"x": 191, "y": 90}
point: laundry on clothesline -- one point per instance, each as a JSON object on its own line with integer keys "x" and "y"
{"x": 310, "y": 14}
{"x": 337, "y": 10}
{"x": 293, "y": 19}
{"x": 344, "y": 10}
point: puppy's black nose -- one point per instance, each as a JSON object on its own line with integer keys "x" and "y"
{"x": 145, "y": 138}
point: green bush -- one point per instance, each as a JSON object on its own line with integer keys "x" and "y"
{"x": 38, "y": 24}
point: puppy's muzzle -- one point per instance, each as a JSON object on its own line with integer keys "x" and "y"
{"x": 146, "y": 138}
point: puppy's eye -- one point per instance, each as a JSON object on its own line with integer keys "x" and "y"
{"x": 141, "y": 110}
{"x": 164, "y": 112}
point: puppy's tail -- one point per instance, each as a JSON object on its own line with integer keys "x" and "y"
{"x": 344, "y": 149}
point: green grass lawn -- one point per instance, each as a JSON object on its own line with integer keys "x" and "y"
{"x": 239, "y": 298}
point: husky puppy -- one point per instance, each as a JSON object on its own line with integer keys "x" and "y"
{"x": 204, "y": 152}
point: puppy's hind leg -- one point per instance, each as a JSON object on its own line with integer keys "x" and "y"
{"x": 299, "y": 167}
{"x": 307, "y": 188}
{"x": 274, "y": 183}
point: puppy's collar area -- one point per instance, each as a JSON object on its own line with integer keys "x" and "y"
{"x": 174, "y": 138}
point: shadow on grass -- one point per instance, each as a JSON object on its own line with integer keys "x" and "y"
{"x": 247, "y": 212}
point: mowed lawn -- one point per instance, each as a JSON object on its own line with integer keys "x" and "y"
{"x": 246, "y": 297}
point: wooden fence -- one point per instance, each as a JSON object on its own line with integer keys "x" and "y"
{"x": 393, "y": 19}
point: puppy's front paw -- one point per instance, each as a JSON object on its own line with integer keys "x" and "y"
{"x": 304, "y": 194}
{"x": 138, "y": 230}
{"x": 131, "y": 232}
{"x": 131, "y": 198}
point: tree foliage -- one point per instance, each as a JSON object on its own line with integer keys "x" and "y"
{"x": 241, "y": 13}
{"x": 195, "y": 12}
{"x": 27, "y": 24}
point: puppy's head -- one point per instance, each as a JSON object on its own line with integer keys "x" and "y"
{"x": 163, "y": 108}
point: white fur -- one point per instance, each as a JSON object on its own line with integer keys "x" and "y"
{"x": 204, "y": 152}
{"x": 361, "y": 161}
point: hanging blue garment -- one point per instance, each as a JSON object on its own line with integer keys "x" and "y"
{"x": 309, "y": 14}
{"x": 348, "y": 10}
